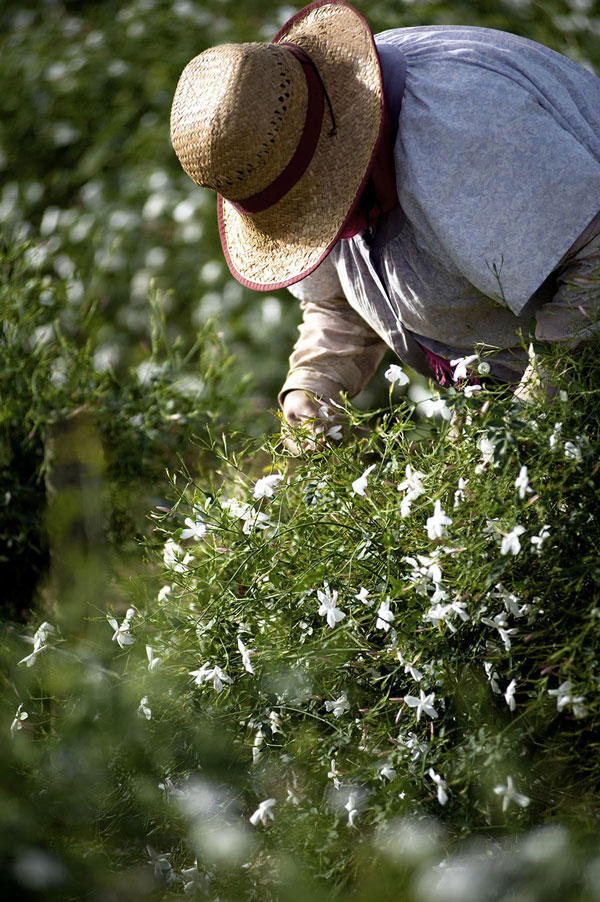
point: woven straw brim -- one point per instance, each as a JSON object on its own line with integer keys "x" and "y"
{"x": 284, "y": 243}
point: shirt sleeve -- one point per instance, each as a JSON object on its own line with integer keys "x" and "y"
{"x": 337, "y": 351}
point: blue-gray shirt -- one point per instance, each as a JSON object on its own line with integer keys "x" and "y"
{"x": 498, "y": 173}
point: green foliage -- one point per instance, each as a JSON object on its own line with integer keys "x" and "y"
{"x": 322, "y": 686}
{"x": 53, "y": 379}
{"x": 131, "y": 768}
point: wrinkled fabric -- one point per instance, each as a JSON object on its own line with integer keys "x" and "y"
{"x": 498, "y": 177}
{"x": 498, "y": 154}
{"x": 574, "y": 313}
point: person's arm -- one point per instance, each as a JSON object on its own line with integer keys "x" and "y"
{"x": 336, "y": 352}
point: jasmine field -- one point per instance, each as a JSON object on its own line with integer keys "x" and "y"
{"x": 316, "y": 686}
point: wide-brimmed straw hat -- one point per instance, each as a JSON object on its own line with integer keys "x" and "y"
{"x": 285, "y": 132}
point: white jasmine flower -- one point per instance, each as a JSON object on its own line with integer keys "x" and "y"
{"x": 500, "y": 623}
{"x": 565, "y": 698}
{"x": 572, "y": 452}
{"x": 17, "y": 723}
{"x": 552, "y": 441}
{"x": 459, "y": 494}
{"x": 439, "y": 594}
{"x": 170, "y": 791}
{"x": 436, "y": 524}
{"x": 257, "y": 745}
{"x": 409, "y": 668}
{"x": 492, "y": 677}
{"x": 275, "y": 722}
{"x": 335, "y": 433}
{"x": 412, "y": 481}
{"x": 395, "y": 374}
{"x": 359, "y": 486}
{"x": 352, "y": 810}
{"x": 193, "y": 880}
{"x": 39, "y": 643}
{"x": 265, "y": 487}
{"x": 207, "y": 674}
{"x": 42, "y": 633}
{"x": 414, "y": 745}
{"x": 423, "y": 703}
{"x": 339, "y": 706}
{"x": 292, "y": 796}
{"x": 233, "y": 507}
{"x": 538, "y": 541}
{"x": 470, "y": 390}
{"x": 245, "y": 656}
{"x": 329, "y": 608}
{"x": 162, "y": 866}
{"x": 427, "y": 567}
{"x": 509, "y": 695}
{"x": 305, "y": 627}
{"x": 264, "y": 813}
{"x": 386, "y": 772}
{"x": 438, "y": 613}
{"x": 122, "y": 635}
{"x": 31, "y": 658}
{"x": 510, "y": 601}
{"x": 352, "y": 817}
{"x": 385, "y": 617}
{"x": 460, "y": 365}
{"x": 413, "y": 488}
{"x": 255, "y": 520}
{"x": 509, "y": 794}
{"x": 164, "y": 592}
{"x": 406, "y": 503}
{"x": 195, "y": 529}
{"x": 333, "y": 774}
{"x": 152, "y": 661}
{"x": 522, "y": 483}
{"x": 441, "y": 786}
{"x": 174, "y": 557}
{"x": 363, "y": 595}
{"x": 510, "y": 543}
{"x": 143, "y": 708}
{"x": 241, "y": 510}
{"x": 487, "y": 448}
{"x": 458, "y": 607}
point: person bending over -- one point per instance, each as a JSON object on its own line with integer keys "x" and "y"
{"x": 434, "y": 190}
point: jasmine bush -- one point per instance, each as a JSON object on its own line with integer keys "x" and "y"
{"x": 56, "y": 399}
{"x": 374, "y": 667}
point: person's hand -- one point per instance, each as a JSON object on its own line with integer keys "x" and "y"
{"x": 301, "y": 410}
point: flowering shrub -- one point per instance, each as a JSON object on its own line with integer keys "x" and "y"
{"x": 315, "y": 678}
{"x": 367, "y": 674}
{"x": 59, "y": 411}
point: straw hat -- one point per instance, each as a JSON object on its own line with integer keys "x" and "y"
{"x": 285, "y": 133}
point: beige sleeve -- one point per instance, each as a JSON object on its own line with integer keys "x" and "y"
{"x": 336, "y": 351}
{"x": 573, "y": 315}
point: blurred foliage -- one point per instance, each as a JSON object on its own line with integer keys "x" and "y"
{"x": 50, "y": 383}
{"x": 237, "y": 739}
